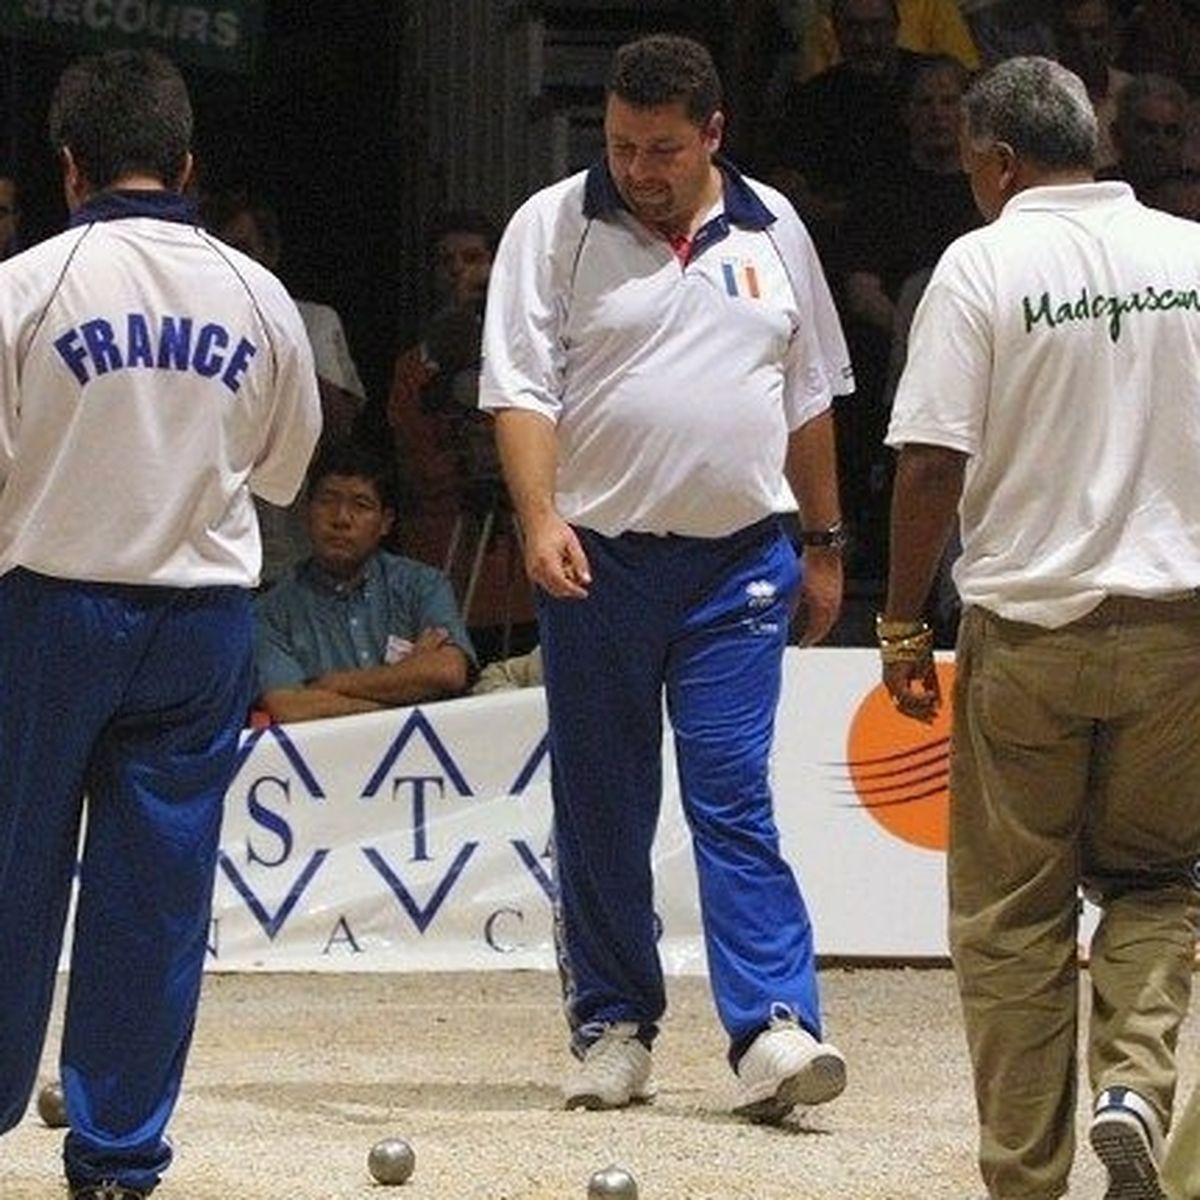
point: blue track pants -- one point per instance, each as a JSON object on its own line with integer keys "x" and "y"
{"x": 706, "y": 621}
{"x": 134, "y": 696}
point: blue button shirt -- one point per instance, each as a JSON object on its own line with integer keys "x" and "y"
{"x": 311, "y": 622}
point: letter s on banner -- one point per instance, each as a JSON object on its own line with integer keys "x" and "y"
{"x": 265, "y": 818}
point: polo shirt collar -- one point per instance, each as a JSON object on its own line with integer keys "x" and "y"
{"x": 1069, "y": 196}
{"x": 742, "y": 204}
{"x": 120, "y": 204}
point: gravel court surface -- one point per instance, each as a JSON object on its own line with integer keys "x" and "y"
{"x": 293, "y": 1078}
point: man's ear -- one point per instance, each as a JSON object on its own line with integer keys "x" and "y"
{"x": 76, "y": 189}
{"x": 714, "y": 131}
{"x": 186, "y": 175}
{"x": 1011, "y": 175}
{"x": 389, "y": 519}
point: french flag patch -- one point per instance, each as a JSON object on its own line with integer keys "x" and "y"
{"x": 741, "y": 279}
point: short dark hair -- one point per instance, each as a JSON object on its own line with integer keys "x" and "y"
{"x": 1148, "y": 86}
{"x": 357, "y": 459}
{"x": 465, "y": 220}
{"x": 936, "y": 64}
{"x": 121, "y": 113}
{"x": 218, "y": 209}
{"x": 837, "y": 7}
{"x": 1063, "y": 6}
{"x": 665, "y": 69}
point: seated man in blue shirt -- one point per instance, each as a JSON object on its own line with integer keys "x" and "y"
{"x": 354, "y": 628}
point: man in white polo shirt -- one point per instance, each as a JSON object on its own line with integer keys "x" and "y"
{"x": 1052, "y": 392}
{"x": 151, "y": 379}
{"x": 661, "y": 353}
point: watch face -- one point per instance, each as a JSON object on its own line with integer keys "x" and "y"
{"x": 834, "y": 538}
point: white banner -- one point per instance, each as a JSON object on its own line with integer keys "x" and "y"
{"x": 416, "y": 839}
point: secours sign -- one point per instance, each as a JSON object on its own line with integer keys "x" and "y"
{"x": 222, "y": 34}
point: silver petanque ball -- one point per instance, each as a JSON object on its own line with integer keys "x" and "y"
{"x": 612, "y": 1182}
{"x": 51, "y": 1106}
{"x": 391, "y": 1160}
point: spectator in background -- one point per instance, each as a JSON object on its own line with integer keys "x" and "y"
{"x": 506, "y": 674}
{"x": 449, "y": 473}
{"x": 1163, "y": 38}
{"x": 899, "y": 222}
{"x": 1190, "y": 154}
{"x": 845, "y": 122}
{"x": 10, "y": 215}
{"x": 1004, "y": 28}
{"x": 1087, "y": 36}
{"x": 355, "y": 628}
{"x": 1148, "y": 132}
{"x": 431, "y": 406}
{"x": 763, "y": 56}
{"x": 926, "y": 26}
{"x": 901, "y": 219}
{"x": 1176, "y": 194}
{"x": 252, "y": 226}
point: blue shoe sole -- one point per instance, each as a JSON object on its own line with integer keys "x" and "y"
{"x": 1132, "y": 1172}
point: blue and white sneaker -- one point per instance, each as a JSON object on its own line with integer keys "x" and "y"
{"x": 1128, "y": 1139}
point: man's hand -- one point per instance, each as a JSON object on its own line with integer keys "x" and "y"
{"x": 433, "y": 638}
{"x": 554, "y": 558}
{"x": 452, "y": 339}
{"x": 821, "y": 594}
{"x": 909, "y": 672}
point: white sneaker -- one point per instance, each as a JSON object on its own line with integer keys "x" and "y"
{"x": 786, "y": 1066}
{"x": 1127, "y": 1138}
{"x": 614, "y": 1071}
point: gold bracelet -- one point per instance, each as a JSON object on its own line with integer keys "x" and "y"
{"x": 897, "y": 631}
{"x": 918, "y": 648}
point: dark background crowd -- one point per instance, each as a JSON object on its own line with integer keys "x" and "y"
{"x": 342, "y": 160}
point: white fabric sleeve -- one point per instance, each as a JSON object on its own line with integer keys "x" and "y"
{"x": 295, "y": 421}
{"x": 331, "y": 350}
{"x": 9, "y": 413}
{"x": 523, "y": 356}
{"x": 941, "y": 399}
{"x": 818, "y": 361}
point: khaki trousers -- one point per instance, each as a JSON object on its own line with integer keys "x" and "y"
{"x": 1181, "y": 1171}
{"x": 1075, "y": 765}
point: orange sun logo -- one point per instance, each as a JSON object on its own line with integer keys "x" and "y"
{"x": 900, "y": 769}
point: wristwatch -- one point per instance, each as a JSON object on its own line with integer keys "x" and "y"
{"x": 833, "y": 538}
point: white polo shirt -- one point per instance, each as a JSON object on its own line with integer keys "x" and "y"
{"x": 673, "y": 385}
{"x": 331, "y": 351}
{"x": 151, "y": 377}
{"x": 1059, "y": 347}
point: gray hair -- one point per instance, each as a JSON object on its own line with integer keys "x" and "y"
{"x": 1039, "y": 108}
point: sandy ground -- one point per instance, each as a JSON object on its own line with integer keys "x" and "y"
{"x": 293, "y": 1078}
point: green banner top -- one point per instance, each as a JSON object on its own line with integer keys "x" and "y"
{"x": 222, "y": 34}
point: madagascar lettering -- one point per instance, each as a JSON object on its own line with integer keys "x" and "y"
{"x": 94, "y": 348}
{"x": 1097, "y": 307}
